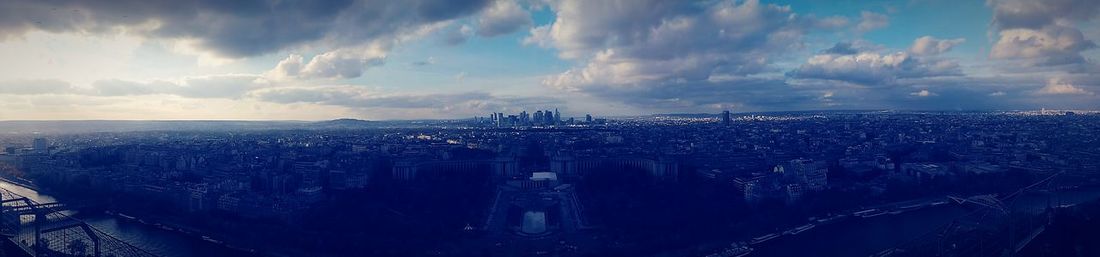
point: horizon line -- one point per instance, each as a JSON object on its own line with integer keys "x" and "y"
{"x": 607, "y": 116}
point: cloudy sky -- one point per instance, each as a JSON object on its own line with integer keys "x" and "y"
{"x": 410, "y": 59}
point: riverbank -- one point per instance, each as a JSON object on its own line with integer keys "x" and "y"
{"x": 145, "y": 236}
{"x": 889, "y": 230}
{"x": 19, "y": 182}
{"x": 763, "y": 238}
{"x": 1074, "y": 232}
{"x": 184, "y": 229}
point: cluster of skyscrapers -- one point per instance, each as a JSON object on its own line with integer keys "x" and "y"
{"x": 540, "y": 117}
{"x": 537, "y": 118}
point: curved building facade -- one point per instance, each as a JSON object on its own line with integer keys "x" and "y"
{"x": 410, "y": 170}
{"x": 660, "y": 168}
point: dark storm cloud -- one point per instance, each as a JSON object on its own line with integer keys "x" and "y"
{"x": 235, "y": 28}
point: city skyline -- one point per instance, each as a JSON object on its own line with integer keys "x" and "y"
{"x": 571, "y": 128}
{"x": 855, "y": 183}
{"x": 406, "y": 60}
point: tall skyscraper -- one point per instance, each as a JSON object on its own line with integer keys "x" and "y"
{"x": 40, "y": 145}
{"x": 726, "y": 118}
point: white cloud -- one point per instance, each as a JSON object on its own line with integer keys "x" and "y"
{"x": 342, "y": 63}
{"x": 338, "y": 64}
{"x": 928, "y": 45}
{"x": 1059, "y": 86}
{"x": 872, "y": 68}
{"x": 1050, "y": 45}
{"x": 227, "y": 86}
{"x": 869, "y": 21}
{"x": 75, "y": 58}
{"x": 834, "y": 22}
{"x": 117, "y": 87}
{"x": 503, "y": 17}
{"x": 458, "y": 36}
{"x": 661, "y": 43}
{"x": 160, "y": 107}
{"x": 430, "y": 61}
{"x": 922, "y": 93}
{"x": 1041, "y": 33}
{"x": 231, "y": 86}
{"x": 34, "y": 87}
{"x": 540, "y": 36}
{"x": 358, "y": 97}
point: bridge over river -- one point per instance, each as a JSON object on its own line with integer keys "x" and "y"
{"x": 47, "y": 229}
{"x": 982, "y": 225}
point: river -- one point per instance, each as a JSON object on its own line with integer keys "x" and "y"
{"x": 859, "y": 237}
{"x": 850, "y": 237}
{"x": 149, "y": 238}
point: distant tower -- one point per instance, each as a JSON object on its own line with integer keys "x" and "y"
{"x": 40, "y": 145}
{"x": 557, "y": 116}
{"x": 725, "y": 118}
{"x": 588, "y": 118}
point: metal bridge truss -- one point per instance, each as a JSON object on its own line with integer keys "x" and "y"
{"x": 994, "y": 229}
{"x": 46, "y": 229}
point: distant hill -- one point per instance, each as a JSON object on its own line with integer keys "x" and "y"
{"x": 713, "y": 115}
{"x": 344, "y": 123}
{"x": 90, "y": 126}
